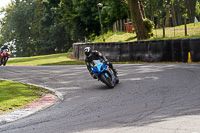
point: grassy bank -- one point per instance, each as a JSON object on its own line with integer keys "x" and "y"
{"x": 15, "y": 95}
{"x": 116, "y": 37}
{"x": 53, "y": 59}
{"x": 170, "y": 33}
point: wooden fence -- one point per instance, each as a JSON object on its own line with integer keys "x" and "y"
{"x": 124, "y": 25}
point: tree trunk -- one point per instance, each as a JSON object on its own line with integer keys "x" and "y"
{"x": 173, "y": 16}
{"x": 178, "y": 12}
{"x": 151, "y": 8}
{"x": 188, "y": 9}
{"x": 167, "y": 15}
{"x": 141, "y": 7}
{"x": 190, "y": 5}
{"x": 167, "y": 18}
{"x": 141, "y": 30}
{"x": 192, "y": 8}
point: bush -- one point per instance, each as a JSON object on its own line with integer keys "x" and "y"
{"x": 149, "y": 25}
{"x": 70, "y": 50}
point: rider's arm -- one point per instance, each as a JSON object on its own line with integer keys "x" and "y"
{"x": 88, "y": 66}
{"x": 101, "y": 56}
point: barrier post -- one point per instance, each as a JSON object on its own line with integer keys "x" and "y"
{"x": 120, "y": 25}
{"x": 189, "y": 58}
{"x": 185, "y": 27}
{"x": 128, "y": 24}
{"x": 163, "y": 28}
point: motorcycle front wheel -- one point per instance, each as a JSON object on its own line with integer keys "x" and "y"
{"x": 107, "y": 81}
{"x": 117, "y": 80}
{"x": 1, "y": 62}
{"x": 4, "y": 60}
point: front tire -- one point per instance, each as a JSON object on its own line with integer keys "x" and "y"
{"x": 4, "y": 60}
{"x": 107, "y": 81}
{"x": 1, "y": 62}
{"x": 117, "y": 79}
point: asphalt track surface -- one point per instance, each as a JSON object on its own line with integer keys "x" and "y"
{"x": 150, "y": 98}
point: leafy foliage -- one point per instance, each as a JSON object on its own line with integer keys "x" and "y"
{"x": 36, "y": 27}
{"x": 149, "y": 25}
{"x": 16, "y": 26}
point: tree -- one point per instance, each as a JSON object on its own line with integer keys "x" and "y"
{"x": 198, "y": 9}
{"x": 167, "y": 14}
{"x": 151, "y": 10}
{"x": 141, "y": 8}
{"x": 114, "y": 10}
{"x": 137, "y": 19}
{"x": 178, "y": 11}
{"x": 53, "y": 30}
{"x": 173, "y": 15}
{"x": 37, "y": 30}
{"x": 16, "y": 27}
{"x": 190, "y": 5}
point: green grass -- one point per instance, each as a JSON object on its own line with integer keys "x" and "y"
{"x": 15, "y": 95}
{"x": 116, "y": 37}
{"x": 53, "y": 59}
{"x": 192, "y": 32}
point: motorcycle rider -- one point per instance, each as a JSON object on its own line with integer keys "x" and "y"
{"x": 5, "y": 46}
{"x": 96, "y": 55}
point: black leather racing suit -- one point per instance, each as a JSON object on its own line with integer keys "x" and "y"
{"x": 4, "y": 47}
{"x": 96, "y": 55}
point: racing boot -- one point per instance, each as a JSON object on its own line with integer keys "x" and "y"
{"x": 115, "y": 72}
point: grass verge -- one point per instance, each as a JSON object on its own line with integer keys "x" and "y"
{"x": 15, "y": 95}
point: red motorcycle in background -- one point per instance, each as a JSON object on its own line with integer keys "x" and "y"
{"x": 4, "y": 57}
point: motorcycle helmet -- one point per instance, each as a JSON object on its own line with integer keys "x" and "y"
{"x": 87, "y": 51}
{"x": 5, "y": 45}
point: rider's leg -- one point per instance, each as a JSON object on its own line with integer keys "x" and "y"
{"x": 111, "y": 66}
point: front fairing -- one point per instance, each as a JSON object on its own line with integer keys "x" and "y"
{"x": 98, "y": 67}
{"x": 5, "y": 53}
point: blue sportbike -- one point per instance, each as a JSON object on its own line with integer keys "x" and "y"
{"x": 104, "y": 73}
